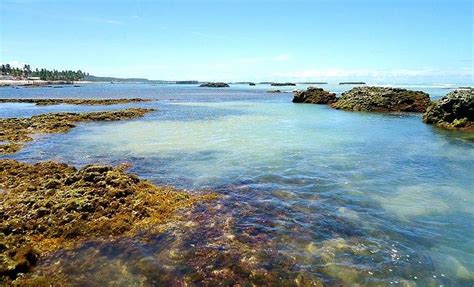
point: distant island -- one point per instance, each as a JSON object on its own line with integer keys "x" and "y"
{"x": 352, "y": 83}
{"x": 313, "y": 83}
{"x": 214, "y": 85}
{"x": 282, "y": 84}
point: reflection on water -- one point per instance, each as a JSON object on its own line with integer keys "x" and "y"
{"x": 310, "y": 194}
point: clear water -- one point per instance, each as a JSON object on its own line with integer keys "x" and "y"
{"x": 308, "y": 191}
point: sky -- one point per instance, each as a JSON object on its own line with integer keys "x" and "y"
{"x": 404, "y": 41}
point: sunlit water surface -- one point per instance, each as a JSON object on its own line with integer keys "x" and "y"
{"x": 309, "y": 193}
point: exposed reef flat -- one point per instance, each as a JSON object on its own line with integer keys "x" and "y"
{"x": 382, "y": 99}
{"x": 214, "y": 85}
{"x": 49, "y": 206}
{"x": 314, "y": 96}
{"x": 15, "y": 132}
{"x": 453, "y": 111}
{"x": 89, "y": 102}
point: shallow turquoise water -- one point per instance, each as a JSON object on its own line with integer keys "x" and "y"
{"x": 342, "y": 196}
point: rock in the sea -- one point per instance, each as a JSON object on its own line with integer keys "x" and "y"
{"x": 274, "y": 91}
{"x": 382, "y": 99}
{"x": 314, "y": 96}
{"x": 282, "y": 84}
{"x": 215, "y": 85}
{"x": 453, "y": 111}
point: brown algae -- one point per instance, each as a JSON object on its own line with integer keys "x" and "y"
{"x": 15, "y": 132}
{"x": 49, "y": 206}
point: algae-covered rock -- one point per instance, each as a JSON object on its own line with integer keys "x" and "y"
{"x": 14, "y": 132}
{"x": 214, "y": 85}
{"x": 69, "y": 206}
{"x": 314, "y": 96}
{"x": 381, "y": 99}
{"x": 89, "y": 102}
{"x": 453, "y": 111}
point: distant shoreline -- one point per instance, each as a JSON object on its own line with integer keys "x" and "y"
{"x": 38, "y": 83}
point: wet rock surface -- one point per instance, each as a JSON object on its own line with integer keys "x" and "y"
{"x": 48, "y": 102}
{"x": 49, "y": 206}
{"x": 314, "y": 96}
{"x": 214, "y": 85}
{"x": 15, "y": 132}
{"x": 453, "y": 111}
{"x": 381, "y": 99}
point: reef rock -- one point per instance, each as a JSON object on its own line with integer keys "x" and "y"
{"x": 49, "y": 206}
{"x": 453, "y": 111}
{"x": 381, "y": 99}
{"x": 314, "y": 96}
{"x": 214, "y": 85}
{"x": 282, "y": 84}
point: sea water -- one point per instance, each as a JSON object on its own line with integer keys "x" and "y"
{"x": 308, "y": 192}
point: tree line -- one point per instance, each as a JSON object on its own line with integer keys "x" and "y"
{"x": 43, "y": 74}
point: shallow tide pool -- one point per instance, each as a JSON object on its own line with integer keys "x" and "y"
{"x": 309, "y": 194}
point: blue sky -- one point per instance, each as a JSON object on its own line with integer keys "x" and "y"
{"x": 378, "y": 41}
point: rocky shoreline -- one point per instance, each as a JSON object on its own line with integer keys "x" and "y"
{"x": 453, "y": 111}
{"x": 314, "y": 96}
{"x": 87, "y": 102}
{"x": 15, "y": 132}
{"x": 49, "y": 206}
{"x": 382, "y": 99}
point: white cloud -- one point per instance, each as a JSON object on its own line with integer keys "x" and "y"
{"x": 282, "y": 57}
{"x": 374, "y": 74}
{"x": 16, "y": 64}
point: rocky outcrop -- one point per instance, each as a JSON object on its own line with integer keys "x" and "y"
{"x": 214, "y": 85}
{"x": 274, "y": 91}
{"x": 314, "y": 96}
{"x": 89, "y": 102}
{"x": 15, "y": 132}
{"x": 453, "y": 111}
{"x": 49, "y": 206}
{"x": 282, "y": 84}
{"x": 381, "y": 99}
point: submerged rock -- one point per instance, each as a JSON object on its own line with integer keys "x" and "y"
{"x": 453, "y": 111}
{"x": 274, "y": 91}
{"x": 49, "y": 206}
{"x": 314, "y": 96}
{"x": 214, "y": 85}
{"x": 381, "y": 99}
{"x": 14, "y": 132}
{"x": 47, "y": 102}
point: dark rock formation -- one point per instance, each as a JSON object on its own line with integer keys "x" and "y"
{"x": 314, "y": 96}
{"x": 251, "y": 84}
{"x": 282, "y": 84}
{"x": 274, "y": 91}
{"x": 453, "y": 111}
{"x": 214, "y": 85}
{"x": 380, "y": 99}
